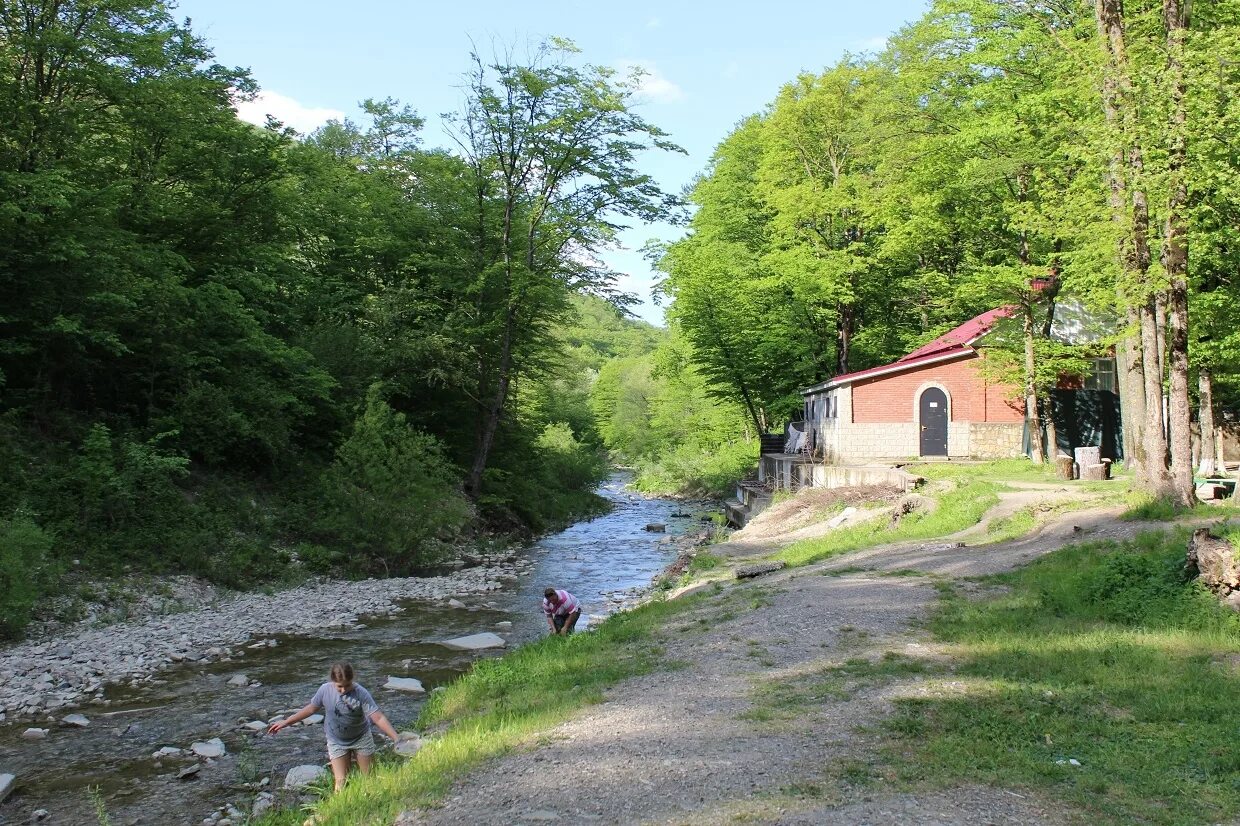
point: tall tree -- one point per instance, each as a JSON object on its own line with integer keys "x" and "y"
{"x": 554, "y": 147}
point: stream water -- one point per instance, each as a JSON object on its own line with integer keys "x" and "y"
{"x": 605, "y": 562}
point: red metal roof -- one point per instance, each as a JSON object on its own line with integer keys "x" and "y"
{"x": 950, "y": 345}
{"x": 961, "y": 336}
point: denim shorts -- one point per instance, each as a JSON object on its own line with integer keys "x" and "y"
{"x": 362, "y": 745}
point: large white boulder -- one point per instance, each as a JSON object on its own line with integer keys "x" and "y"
{"x": 78, "y": 720}
{"x": 210, "y": 748}
{"x": 299, "y": 777}
{"x": 405, "y": 684}
{"x": 239, "y": 681}
{"x": 475, "y": 642}
{"x": 7, "y": 781}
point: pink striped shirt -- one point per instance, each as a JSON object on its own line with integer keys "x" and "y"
{"x": 567, "y": 604}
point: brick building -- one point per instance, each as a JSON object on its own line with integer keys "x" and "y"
{"x": 932, "y": 402}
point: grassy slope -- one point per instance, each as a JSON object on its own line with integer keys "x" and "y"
{"x": 957, "y": 509}
{"x": 1098, "y": 653}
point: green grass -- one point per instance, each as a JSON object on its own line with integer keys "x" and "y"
{"x": 501, "y": 705}
{"x": 1011, "y": 527}
{"x": 789, "y": 699}
{"x": 957, "y": 509}
{"x": 1099, "y": 653}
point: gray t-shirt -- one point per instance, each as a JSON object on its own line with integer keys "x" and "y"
{"x": 346, "y": 717}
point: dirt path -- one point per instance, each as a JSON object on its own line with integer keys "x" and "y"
{"x": 685, "y": 747}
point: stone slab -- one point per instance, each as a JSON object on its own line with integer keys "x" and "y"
{"x": 475, "y": 642}
{"x": 209, "y": 748}
{"x": 751, "y": 571}
{"x": 405, "y": 684}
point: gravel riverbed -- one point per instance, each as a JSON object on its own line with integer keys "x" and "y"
{"x": 49, "y": 676}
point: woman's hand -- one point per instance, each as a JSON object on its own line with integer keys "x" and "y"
{"x": 277, "y": 726}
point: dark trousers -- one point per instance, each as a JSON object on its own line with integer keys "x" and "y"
{"x": 566, "y": 623}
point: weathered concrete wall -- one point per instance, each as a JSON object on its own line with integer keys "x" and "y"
{"x": 838, "y": 476}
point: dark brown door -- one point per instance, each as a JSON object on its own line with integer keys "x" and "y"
{"x": 933, "y": 422}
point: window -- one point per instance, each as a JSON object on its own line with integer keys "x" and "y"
{"x": 1101, "y": 375}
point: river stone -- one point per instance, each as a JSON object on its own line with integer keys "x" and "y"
{"x": 405, "y": 684}
{"x": 166, "y": 751}
{"x": 656, "y": 527}
{"x": 312, "y": 720}
{"x": 841, "y": 518}
{"x": 240, "y": 680}
{"x": 189, "y": 771}
{"x": 299, "y": 777}
{"x": 503, "y": 625}
{"x": 408, "y": 747}
{"x": 211, "y": 748}
{"x": 455, "y": 603}
{"x": 34, "y": 733}
{"x": 78, "y": 720}
{"x": 475, "y": 642}
{"x": 262, "y": 803}
{"x": 7, "y": 781}
{"x": 256, "y": 725}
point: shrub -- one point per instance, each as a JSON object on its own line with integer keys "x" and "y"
{"x": 567, "y": 462}
{"x": 390, "y": 493}
{"x": 25, "y": 551}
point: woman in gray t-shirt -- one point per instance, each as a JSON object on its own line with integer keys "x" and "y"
{"x": 348, "y": 715}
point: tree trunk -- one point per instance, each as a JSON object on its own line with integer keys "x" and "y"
{"x": 1130, "y": 376}
{"x": 1156, "y": 479}
{"x": 488, "y": 422}
{"x": 1205, "y": 416}
{"x": 1052, "y": 432}
{"x": 1175, "y": 258}
{"x": 845, "y": 322}
{"x": 1036, "y": 451}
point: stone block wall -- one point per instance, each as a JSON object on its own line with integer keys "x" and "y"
{"x": 996, "y": 441}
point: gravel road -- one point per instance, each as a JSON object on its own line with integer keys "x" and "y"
{"x": 678, "y": 748}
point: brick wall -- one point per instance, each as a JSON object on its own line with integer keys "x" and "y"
{"x": 891, "y": 398}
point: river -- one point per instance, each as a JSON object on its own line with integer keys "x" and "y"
{"x": 606, "y": 562}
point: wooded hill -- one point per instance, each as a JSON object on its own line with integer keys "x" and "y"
{"x": 225, "y": 348}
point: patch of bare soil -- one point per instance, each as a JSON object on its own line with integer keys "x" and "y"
{"x": 811, "y": 505}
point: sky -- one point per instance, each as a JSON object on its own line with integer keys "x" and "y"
{"x": 709, "y": 64}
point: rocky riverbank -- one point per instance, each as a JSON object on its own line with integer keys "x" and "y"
{"x": 43, "y": 677}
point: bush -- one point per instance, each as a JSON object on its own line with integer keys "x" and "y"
{"x": 568, "y": 463}
{"x": 25, "y": 553}
{"x": 391, "y": 494}
{"x": 1141, "y": 583}
{"x": 697, "y": 471}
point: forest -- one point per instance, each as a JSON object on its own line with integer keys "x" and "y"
{"x": 248, "y": 354}
{"x": 251, "y": 354}
{"x": 1025, "y": 154}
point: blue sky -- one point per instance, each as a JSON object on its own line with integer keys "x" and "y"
{"x": 709, "y": 65}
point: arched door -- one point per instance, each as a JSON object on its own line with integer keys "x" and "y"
{"x": 933, "y": 407}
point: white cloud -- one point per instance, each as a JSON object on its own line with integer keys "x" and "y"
{"x": 654, "y": 22}
{"x": 652, "y": 86}
{"x": 304, "y": 119}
